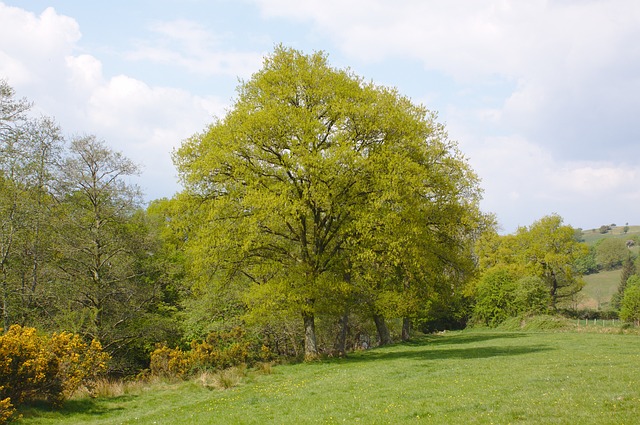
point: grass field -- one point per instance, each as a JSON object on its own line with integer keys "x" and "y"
{"x": 599, "y": 287}
{"x": 471, "y": 377}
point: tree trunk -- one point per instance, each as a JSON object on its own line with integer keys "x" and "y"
{"x": 5, "y": 312}
{"x": 554, "y": 291}
{"x": 341, "y": 343}
{"x": 310, "y": 346}
{"x": 406, "y": 329}
{"x": 383, "y": 331}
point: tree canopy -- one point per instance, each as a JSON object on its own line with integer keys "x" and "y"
{"x": 547, "y": 249}
{"x": 317, "y": 182}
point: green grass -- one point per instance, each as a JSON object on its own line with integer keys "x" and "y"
{"x": 599, "y": 287}
{"x": 471, "y": 377}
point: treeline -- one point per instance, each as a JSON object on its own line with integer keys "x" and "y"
{"x": 76, "y": 247}
{"x": 322, "y": 214}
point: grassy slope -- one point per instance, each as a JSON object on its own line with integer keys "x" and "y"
{"x": 591, "y": 236}
{"x": 599, "y": 287}
{"x": 464, "y": 377}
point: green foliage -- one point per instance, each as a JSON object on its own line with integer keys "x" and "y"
{"x": 501, "y": 295}
{"x": 604, "y": 229}
{"x": 587, "y": 264}
{"x": 531, "y": 296}
{"x": 536, "y": 323}
{"x": 628, "y": 270}
{"x": 611, "y": 252}
{"x": 630, "y": 305}
{"x": 29, "y": 149}
{"x": 494, "y": 297}
{"x": 34, "y": 367}
{"x": 546, "y": 249}
{"x": 319, "y": 191}
{"x": 110, "y": 283}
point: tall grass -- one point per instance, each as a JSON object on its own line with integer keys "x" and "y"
{"x": 474, "y": 377}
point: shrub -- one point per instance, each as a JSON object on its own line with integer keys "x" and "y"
{"x": 169, "y": 362}
{"x": 494, "y": 298}
{"x": 7, "y": 411}
{"x": 219, "y": 350}
{"x": 40, "y": 367}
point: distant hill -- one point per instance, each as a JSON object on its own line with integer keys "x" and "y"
{"x": 599, "y": 287}
{"x": 591, "y": 236}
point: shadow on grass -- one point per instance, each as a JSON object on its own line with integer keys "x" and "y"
{"x": 448, "y": 353}
{"x": 434, "y": 347}
{"x": 85, "y": 406}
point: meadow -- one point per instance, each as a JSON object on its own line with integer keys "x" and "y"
{"x": 472, "y": 376}
{"x": 599, "y": 288}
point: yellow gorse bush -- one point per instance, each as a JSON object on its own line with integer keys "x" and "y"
{"x": 219, "y": 350}
{"x": 52, "y": 367}
{"x": 169, "y": 362}
{"x": 6, "y": 410}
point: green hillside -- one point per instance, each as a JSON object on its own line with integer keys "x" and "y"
{"x": 591, "y": 236}
{"x": 599, "y": 287}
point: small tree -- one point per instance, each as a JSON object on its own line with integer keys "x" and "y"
{"x": 611, "y": 252}
{"x": 630, "y": 307}
{"x": 628, "y": 270}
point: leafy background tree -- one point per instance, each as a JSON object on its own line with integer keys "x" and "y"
{"x": 30, "y": 151}
{"x": 611, "y": 253}
{"x": 102, "y": 248}
{"x": 630, "y": 305}
{"x": 544, "y": 252}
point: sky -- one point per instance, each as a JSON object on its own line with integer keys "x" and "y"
{"x": 542, "y": 96}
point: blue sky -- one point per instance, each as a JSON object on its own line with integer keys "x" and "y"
{"x": 543, "y": 96}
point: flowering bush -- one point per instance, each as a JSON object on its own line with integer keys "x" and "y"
{"x": 45, "y": 367}
{"x": 6, "y": 410}
{"x": 219, "y": 350}
{"x": 169, "y": 362}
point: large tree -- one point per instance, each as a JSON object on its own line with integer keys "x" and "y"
{"x": 292, "y": 185}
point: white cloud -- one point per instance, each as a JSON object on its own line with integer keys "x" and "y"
{"x": 142, "y": 121}
{"x": 155, "y": 119}
{"x": 574, "y": 64}
{"x": 189, "y": 45}
{"x": 524, "y": 182}
{"x": 34, "y": 47}
{"x": 595, "y": 180}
